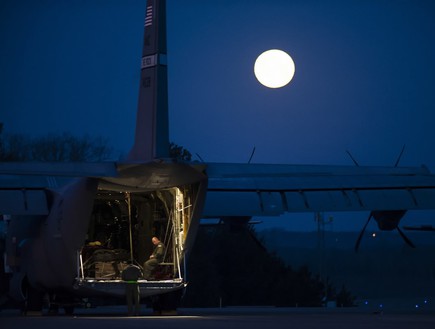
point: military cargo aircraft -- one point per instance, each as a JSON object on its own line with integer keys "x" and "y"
{"x": 69, "y": 229}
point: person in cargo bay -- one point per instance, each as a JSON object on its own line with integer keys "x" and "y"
{"x": 155, "y": 259}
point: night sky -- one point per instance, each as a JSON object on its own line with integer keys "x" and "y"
{"x": 364, "y": 78}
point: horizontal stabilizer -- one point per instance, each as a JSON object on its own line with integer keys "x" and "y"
{"x": 67, "y": 169}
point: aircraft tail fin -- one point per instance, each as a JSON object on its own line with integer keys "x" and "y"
{"x": 152, "y": 131}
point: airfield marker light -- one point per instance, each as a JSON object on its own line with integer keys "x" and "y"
{"x": 366, "y": 302}
{"x": 417, "y": 306}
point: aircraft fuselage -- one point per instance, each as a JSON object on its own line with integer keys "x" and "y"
{"x": 96, "y": 226}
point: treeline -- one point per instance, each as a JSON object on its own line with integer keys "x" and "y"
{"x": 63, "y": 147}
{"x": 384, "y": 267}
{"x": 53, "y": 147}
{"x": 230, "y": 267}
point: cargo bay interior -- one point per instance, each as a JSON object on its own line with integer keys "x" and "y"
{"x": 122, "y": 225}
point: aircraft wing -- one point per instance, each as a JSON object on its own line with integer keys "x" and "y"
{"x": 23, "y": 185}
{"x": 271, "y": 190}
{"x": 245, "y": 189}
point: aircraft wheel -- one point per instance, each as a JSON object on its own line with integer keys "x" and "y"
{"x": 57, "y": 302}
{"x": 53, "y": 309}
{"x": 69, "y": 310}
{"x": 166, "y": 304}
{"x": 34, "y": 301}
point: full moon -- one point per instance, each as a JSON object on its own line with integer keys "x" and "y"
{"x": 274, "y": 68}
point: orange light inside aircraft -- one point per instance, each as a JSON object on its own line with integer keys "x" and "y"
{"x": 274, "y": 68}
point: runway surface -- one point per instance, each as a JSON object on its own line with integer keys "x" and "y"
{"x": 225, "y": 318}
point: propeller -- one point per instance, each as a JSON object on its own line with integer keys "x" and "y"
{"x": 405, "y": 238}
{"x": 358, "y": 241}
{"x": 252, "y": 154}
{"x": 387, "y": 220}
{"x": 400, "y": 156}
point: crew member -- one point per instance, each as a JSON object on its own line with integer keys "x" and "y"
{"x": 130, "y": 275}
{"x": 155, "y": 258}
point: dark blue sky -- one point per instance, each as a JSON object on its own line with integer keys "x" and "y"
{"x": 364, "y": 77}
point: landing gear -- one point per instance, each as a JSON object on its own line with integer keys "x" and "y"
{"x": 56, "y": 302}
{"x": 69, "y": 309}
{"x": 166, "y": 304}
{"x": 33, "y": 303}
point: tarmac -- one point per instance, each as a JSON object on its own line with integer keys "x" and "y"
{"x": 227, "y": 318}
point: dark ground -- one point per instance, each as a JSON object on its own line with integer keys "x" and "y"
{"x": 235, "y": 317}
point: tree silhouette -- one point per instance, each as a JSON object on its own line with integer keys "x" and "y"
{"x": 231, "y": 267}
{"x": 65, "y": 147}
{"x": 179, "y": 153}
{"x": 53, "y": 147}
